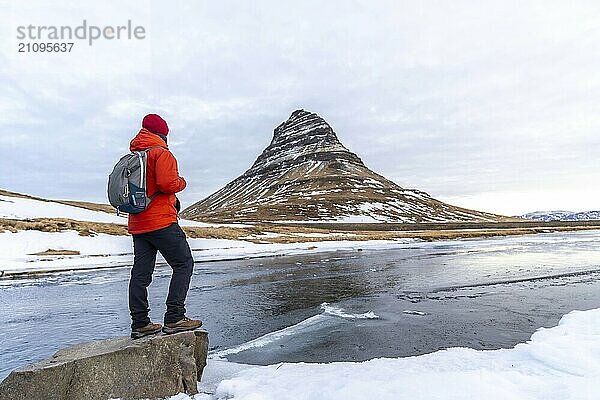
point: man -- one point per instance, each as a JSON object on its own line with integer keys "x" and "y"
{"x": 156, "y": 229}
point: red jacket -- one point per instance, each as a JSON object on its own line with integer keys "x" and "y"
{"x": 162, "y": 177}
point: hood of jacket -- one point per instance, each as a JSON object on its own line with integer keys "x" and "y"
{"x": 146, "y": 139}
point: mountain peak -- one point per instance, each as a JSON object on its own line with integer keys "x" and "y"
{"x": 300, "y": 122}
{"x": 306, "y": 174}
{"x": 304, "y": 136}
{"x": 300, "y": 113}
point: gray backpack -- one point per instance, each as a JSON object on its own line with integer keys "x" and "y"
{"x": 127, "y": 183}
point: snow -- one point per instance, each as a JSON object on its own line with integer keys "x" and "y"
{"x": 13, "y": 245}
{"x": 356, "y": 219}
{"x": 557, "y": 363}
{"x": 559, "y": 215}
{"x": 263, "y": 235}
{"x": 330, "y": 234}
{"x": 339, "y": 312}
{"x": 190, "y": 223}
{"x": 372, "y": 206}
{"x": 414, "y": 312}
{"x": 22, "y": 208}
{"x": 109, "y": 251}
{"x": 346, "y": 219}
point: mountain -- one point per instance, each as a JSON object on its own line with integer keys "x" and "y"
{"x": 306, "y": 174}
{"x": 562, "y": 216}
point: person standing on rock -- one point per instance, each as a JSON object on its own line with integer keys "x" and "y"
{"x": 156, "y": 229}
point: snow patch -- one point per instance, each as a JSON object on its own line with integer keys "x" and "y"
{"x": 339, "y": 312}
{"x": 558, "y": 363}
{"x": 107, "y": 251}
{"x": 414, "y": 312}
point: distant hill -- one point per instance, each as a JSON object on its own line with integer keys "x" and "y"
{"x": 306, "y": 174}
{"x": 21, "y": 207}
{"x": 81, "y": 204}
{"x": 562, "y": 216}
{"x": 17, "y": 206}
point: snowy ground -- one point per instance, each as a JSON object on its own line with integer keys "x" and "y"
{"x": 558, "y": 363}
{"x": 103, "y": 251}
{"x": 22, "y": 208}
{"x": 106, "y": 251}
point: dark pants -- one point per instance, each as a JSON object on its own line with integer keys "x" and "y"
{"x": 173, "y": 246}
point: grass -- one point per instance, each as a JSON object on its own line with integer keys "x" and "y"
{"x": 294, "y": 233}
{"x": 53, "y": 252}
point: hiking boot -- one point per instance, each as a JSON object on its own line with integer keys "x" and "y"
{"x": 182, "y": 325}
{"x": 149, "y": 329}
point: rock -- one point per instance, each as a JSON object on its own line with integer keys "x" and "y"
{"x": 152, "y": 367}
{"x": 200, "y": 351}
{"x": 307, "y": 174}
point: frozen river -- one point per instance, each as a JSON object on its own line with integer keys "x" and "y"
{"x": 416, "y": 299}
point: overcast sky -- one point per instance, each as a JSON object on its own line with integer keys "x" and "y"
{"x": 493, "y": 105}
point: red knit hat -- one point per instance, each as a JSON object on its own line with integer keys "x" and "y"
{"x": 155, "y": 124}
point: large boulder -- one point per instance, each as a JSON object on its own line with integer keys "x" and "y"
{"x": 148, "y": 368}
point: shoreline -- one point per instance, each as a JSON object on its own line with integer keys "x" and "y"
{"x": 68, "y": 251}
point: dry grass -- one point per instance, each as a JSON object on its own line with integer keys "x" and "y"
{"x": 61, "y": 224}
{"x": 286, "y": 233}
{"x": 13, "y": 194}
{"x": 107, "y": 208}
{"x": 53, "y": 252}
{"x": 221, "y": 232}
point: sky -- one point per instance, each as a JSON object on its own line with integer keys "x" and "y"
{"x": 491, "y": 105}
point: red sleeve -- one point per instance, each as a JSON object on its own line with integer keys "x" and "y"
{"x": 168, "y": 180}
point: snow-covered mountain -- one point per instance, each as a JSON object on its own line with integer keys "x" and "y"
{"x": 306, "y": 174}
{"x": 562, "y": 216}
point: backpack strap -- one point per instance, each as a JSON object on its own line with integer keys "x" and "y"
{"x": 153, "y": 147}
{"x": 150, "y": 198}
